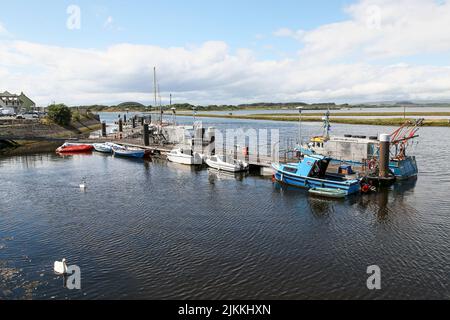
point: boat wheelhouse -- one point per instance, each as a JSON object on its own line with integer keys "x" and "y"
{"x": 311, "y": 173}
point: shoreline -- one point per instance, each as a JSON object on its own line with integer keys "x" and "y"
{"x": 340, "y": 120}
{"x": 28, "y": 146}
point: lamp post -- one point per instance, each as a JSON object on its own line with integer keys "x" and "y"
{"x": 300, "y": 109}
{"x": 194, "y": 112}
{"x": 174, "y": 115}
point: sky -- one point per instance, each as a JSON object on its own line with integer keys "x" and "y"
{"x": 226, "y": 51}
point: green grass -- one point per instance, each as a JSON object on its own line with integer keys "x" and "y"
{"x": 373, "y": 122}
{"x": 360, "y": 114}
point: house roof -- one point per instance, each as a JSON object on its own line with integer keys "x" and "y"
{"x": 7, "y": 94}
{"x": 27, "y": 101}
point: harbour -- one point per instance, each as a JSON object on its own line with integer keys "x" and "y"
{"x": 172, "y": 233}
{"x": 224, "y": 158}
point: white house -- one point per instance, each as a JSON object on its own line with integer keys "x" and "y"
{"x": 13, "y": 103}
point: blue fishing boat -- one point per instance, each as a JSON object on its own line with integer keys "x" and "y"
{"x": 311, "y": 173}
{"x": 364, "y": 151}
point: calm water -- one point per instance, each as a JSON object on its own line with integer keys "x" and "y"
{"x": 156, "y": 230}
{"x": 361, "y": 110}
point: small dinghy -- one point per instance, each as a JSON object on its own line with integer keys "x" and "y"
{"x": 130, "y": 153}
{"x": 115, "y": 146}
{"x": 328, "y": 193}
{"x": 187, "y": 157}
{"x": 218, "y": 162}
{"x": 75, "y": 148}
{"x": 103, "y": 148}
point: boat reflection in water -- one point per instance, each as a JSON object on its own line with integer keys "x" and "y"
{"x": 214, "y": 174}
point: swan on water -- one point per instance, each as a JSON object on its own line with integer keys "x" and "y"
{"x": 60, "y": 267}
{"x": 83, "y": 185}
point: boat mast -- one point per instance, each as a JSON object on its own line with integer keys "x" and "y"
{"x": 155, "y": 89}
{"x": 300, "y": 109}
{"x": 326, "y": 126}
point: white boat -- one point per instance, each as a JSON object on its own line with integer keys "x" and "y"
{"x": 218, "y": 162}
{"x": 185, "y": 157}
{"x": 115, "y": 146}
{"x": 103, "y": 148}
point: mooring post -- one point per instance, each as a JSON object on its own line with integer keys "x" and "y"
{"x": 103, "y": 129}
{"x": 385, "y": 143}
{"x": 142, "y": 121}
{"x": 133, "y": 121}
{"x": 146, "y": 135}
{"x": 125, "y": 118}
{"x": 120, "y": 125}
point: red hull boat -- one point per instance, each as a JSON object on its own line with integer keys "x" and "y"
{"x": 75, "y": 148}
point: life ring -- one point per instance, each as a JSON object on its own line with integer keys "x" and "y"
{"x": 365, "y": 188}
{"x": 372, "y": 164}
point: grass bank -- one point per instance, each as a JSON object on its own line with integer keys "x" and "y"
{"x": 372, "y": 122}
{"x": 362, "y": 114}
{"x": 80, "y": 128}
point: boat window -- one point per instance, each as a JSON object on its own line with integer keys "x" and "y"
{"x": 319, "y": 169}
{"x": 290, "y": 169}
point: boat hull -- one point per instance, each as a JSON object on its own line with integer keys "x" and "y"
{"x": 135, "y": 154}
{"x": 311, "y": 183}
{"x": 404, "y": 169}
{"x": 327, "y": 193}
{"x": 225, "y": 166}
{"x": 185, "y": 159}
{"x": 103, "y": 148}
{"x": 85, "y": 148}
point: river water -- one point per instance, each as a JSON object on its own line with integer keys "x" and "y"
{"x": 156, "y": 230}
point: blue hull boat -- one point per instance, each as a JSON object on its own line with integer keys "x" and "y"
{"x": 312, "y": 173}
{"x": 129, "y": 153}
{"x": 405, "y": 168}
{"x": 402, "y": 169}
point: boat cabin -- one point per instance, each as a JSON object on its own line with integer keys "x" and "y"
{"x": 314, "y": 166}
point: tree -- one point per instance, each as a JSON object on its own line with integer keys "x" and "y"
{"x": 60, "y": 114}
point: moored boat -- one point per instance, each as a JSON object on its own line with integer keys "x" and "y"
{"x": 103, "y": 148}
{"x": 181, "y": 156}
{"x": 75, "y": 148}
{"x": 218, "y": 162}
{"x": 328, "y": 193}
{"x": 364, "y": 150}
{"x": 311, "y": 173}
{"x": 130, "y": 153}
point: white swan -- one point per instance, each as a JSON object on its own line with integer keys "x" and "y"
{"x": 60, "y": 267}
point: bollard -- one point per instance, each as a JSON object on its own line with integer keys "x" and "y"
{"x": 125, "y": 118}
{"x": 103, "y": 129}
{"x": 142, "y": 121}
{"x": 146, "y": 135}
{"x": 133, "y": 121}
{"x": 385, "y": 143}
{"x": 120, "y": 125}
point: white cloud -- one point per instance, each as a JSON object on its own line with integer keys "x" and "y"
{"x": 379, "y": 29}
{"x": 343, "y": 62}
{"x": 289, "y": 33}
{"x": 3, "y": 31}
{"x": 109, "y": 23}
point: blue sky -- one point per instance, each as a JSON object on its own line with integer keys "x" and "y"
{"x": 223, "y": 52}
{"x": 242, "y": 24}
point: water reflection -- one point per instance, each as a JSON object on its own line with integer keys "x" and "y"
{"x": 158, "y": 230}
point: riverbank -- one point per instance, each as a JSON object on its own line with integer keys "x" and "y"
{"x": 363, "y": 121}
{"x": 29, "y": 130}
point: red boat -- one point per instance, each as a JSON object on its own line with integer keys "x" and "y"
{"x": 75, "y": 148}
